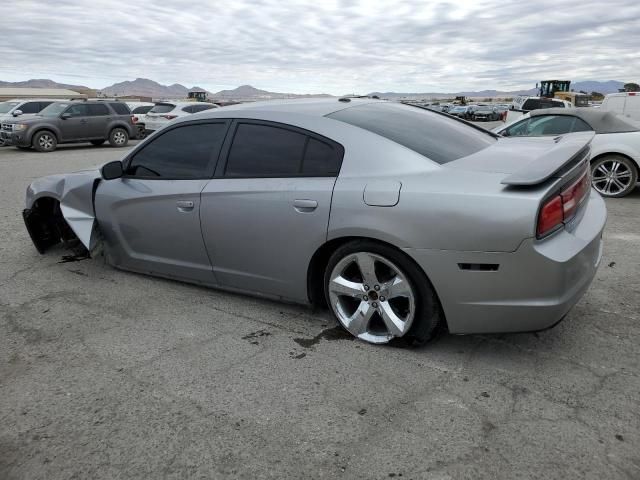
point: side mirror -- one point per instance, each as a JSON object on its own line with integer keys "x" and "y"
{"x": 17, "y": 113}
{"x": 64, "y": 116}
{"x": 112, "y": 170}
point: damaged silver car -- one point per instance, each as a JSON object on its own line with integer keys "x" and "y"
{"x": 398, "y": 218}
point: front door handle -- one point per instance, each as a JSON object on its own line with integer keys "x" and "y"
{"x": 184, "y": 205}
{"x": 304, "y": 205}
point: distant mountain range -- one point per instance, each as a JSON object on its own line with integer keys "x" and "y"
{"x": 144, "y": 87}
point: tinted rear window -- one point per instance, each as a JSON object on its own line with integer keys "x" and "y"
{"x": 120, "y": 108}
{"x": 141, "y": 110}
{"x": 162, "y": 108}
{"x": 437, "y": 137}
{"x": 97, "y": 109}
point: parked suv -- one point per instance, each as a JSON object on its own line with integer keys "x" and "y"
{"x": 21, "y": 108}
{"x": 163, "y": 112}
{"x": 71, "y": 122}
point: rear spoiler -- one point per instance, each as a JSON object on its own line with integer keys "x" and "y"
{"x": 570, "y": 150}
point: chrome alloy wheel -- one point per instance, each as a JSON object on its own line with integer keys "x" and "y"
{"x": 45, "y": 141}
{"x": 610, "y": 177}
{"x": 371, "y": 297}
{"x": 119, "y": 137}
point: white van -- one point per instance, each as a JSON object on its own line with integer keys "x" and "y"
{"x": 626, "y": 103}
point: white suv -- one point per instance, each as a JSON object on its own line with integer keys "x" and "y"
{"x": 163, "y": 112}
{"x": 20, "y": 107}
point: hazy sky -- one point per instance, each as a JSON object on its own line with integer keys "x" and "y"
{"x": 334, "y": 47}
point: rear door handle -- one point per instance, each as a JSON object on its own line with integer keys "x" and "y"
{"x": 304, "y": 205}
{"x": 184, "y": 205}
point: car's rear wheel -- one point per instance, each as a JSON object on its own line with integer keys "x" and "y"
{"x": 380, "y": 295}
{"x": 44, "y": 141}
{"x": 614, "y": 175}
{"x": 97, "y": 143}
{"x": 118, "y": 137}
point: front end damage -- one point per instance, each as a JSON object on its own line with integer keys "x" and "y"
{"x": 59, "y": 209}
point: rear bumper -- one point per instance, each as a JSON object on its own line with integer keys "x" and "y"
{"x": 532, "y": 289}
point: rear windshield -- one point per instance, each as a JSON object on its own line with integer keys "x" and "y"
{"x": 143, "y": 109}
{"x": 436, "y": 136}
{"x": 5, "y": 107}
{"x": 162, "y": 108}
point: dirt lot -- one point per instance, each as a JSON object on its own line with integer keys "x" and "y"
{"x": 106, "y": 374}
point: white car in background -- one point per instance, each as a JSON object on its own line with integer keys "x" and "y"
{"x": 163, "y": 112}
{"x": 624, "y": 103}
{"x": 139, "y": 110}
{"x": 11, "y": 109}
{"x": 615, "y": 149}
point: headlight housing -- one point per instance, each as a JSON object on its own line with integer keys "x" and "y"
{"x": 18, "y": 127}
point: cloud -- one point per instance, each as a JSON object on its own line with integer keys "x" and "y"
{"x": 335, "y": 46}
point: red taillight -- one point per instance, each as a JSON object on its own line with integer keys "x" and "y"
{"x": 134, "y": 119}
{"x": 551, "y": 216}
{"x": 169, "y": 117}
{"x": 561, "y": 208}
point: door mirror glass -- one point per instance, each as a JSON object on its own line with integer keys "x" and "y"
{"x": 112, "y": 170}
{"x": 17, "y": 113}
{"x": 65, "y": 115}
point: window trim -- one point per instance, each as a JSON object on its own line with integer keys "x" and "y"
{"x": 214, "y": 160}
{"x": 221, "y": 169}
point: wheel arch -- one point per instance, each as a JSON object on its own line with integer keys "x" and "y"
{"x": 45, "y": 128}
{"x": 320, "y": 259}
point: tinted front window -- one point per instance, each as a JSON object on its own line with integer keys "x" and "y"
{"x": 30, "y": 107}
{"x": 439, "y": 138}
{"x": 181, "y": 153}
{"x": 54, "y": 109}
{"x": 265, "y": 151}
{"x": 78, "y": 110}
{"x": 162, "y": 108}
{"x": 120, "y": 108}
{"x": 97, "y": 109}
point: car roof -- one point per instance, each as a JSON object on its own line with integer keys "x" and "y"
{"x": 22, "y": 100}
{"x": 317, "y": 107}
{"x": 182, "y": 103}
{"x": 602, "y": 121}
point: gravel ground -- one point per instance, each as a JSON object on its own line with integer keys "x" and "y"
{"x": 106, "y": 374}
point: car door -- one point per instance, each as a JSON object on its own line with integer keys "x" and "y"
{"x": 75, "y": 126}
{"x": 150, "y": 217}
{"x": 267, "y": 209}
{"x": 100, "y": 116}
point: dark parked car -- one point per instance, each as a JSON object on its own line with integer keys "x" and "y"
{"x": 72, "y": 122}
{"x": 460, "y": 111}
{"x": 485, "y": 113}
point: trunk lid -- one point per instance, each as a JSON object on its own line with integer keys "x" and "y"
{"x": 530, "y": 160}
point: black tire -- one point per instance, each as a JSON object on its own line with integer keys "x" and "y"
{"x": 44, "y": 141}
{"x": 607, "y": 162}
{"x": 428, "y": 313}
{"x": 97, "y": 143}
{"x": 118, "y": 137}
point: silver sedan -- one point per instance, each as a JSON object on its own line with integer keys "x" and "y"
{"x": 398, "y": 218}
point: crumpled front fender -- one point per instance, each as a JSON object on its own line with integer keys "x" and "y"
{"x": 74, "y": 191}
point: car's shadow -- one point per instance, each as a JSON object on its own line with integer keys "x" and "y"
{"x": 68, "y": 147}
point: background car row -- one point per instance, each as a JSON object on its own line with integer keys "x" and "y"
{"x": 42, "y": 124}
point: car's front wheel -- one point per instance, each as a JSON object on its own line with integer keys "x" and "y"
{"x": 44, "y": 141}
{"x": 378, "y": 294}
{"x": 614, "y": 175}
{"x": 118, "y": 137}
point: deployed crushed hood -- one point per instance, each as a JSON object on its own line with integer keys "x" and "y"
{"x": 526, "y": 160}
